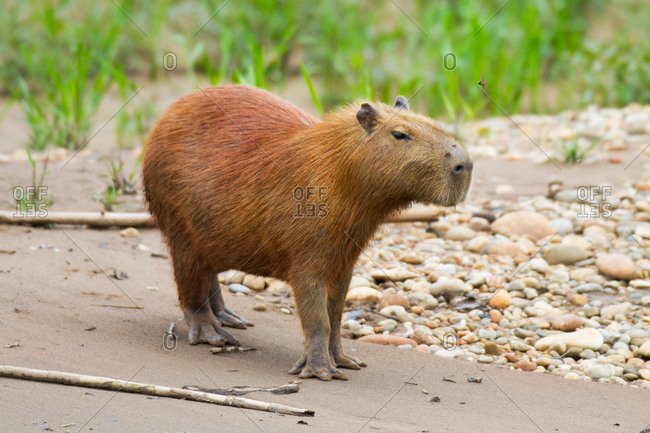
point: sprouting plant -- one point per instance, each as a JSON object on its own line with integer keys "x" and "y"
{"x": 33, "y": 198}
{"x": 118, "y": 183}
{"x": 573, "y": 153}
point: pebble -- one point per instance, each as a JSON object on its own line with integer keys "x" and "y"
{"x": 364, "y": 294}
{"x": 130, "y": 233}
{"x": 238, "y": 288}
{"x": 588, "y": 338}
{"x": 501, "y": 299}
{"x": 395, "y": 274}
{"x": 567, "y": 323}
{"x": 254, "y": 282}
{"x": 412, "y": 259}
{"x": 525, "y": 365}
{"x": 259, "y": 307}
{"x": 398, "y": 298}
{"x": 565, "y": 254}
{"x": 563, "y": 226}
{"x": 523, "y": 223}
{"x": 495, "y": 316}
{"x": 448, "y": 287}
{"x": 460, "y": 233}
{"x": 597, "y": 370}
{"x": 644, "y": 350}
{"x": 616, "y": 266}
{"x": 358, "y": 281}
{"x": 387, "y": 339}
{"x": 612, "y": 310}
{"x": 397, "y": 311}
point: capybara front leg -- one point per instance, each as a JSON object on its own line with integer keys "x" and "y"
{"x": 226, "y": 316}
{"x": 335, "y": 305}
{"x": 311, "y": 300}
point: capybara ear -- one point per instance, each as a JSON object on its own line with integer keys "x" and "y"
{"x": 368, "y": 117}
{"x": 401, "y": 103}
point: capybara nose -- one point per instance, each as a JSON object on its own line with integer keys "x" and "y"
{"x": 464, "y": 167}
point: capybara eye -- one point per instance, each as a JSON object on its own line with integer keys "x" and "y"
{"x": 400, "y": 136}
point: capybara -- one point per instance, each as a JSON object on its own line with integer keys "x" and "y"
{"x": 238, "y": 178}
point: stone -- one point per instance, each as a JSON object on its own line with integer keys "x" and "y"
{"x": 500, "y": 299}
{"x": 387, "y": 339}
{"x": 130, "y": 233}
{"x": 644, "y": 350}
{"x": 423, "y": 300}
{"x": 259, "y": 307}
{"x": 411, "y": 258}
{"x": 522, "y": 223}
{"x": 563, "y": 226}
{"x": 460, "y": 233}
{"x": 644, "y": 374}
{"x": 525, "y": 365}
{"x": 520, "y": 346}
{"x": 238, "y": 288}
{"x": 587, "y": 338}
{"x": 448, "y": 287}
{"x": 229, "y": 277}
{"x": 453, "y": 353}
{"x": 397, "y": 311}
{"x": 364, "y": 294}
{"x": 398, "y": 298}
{"x": 477, "y": 244}
{"x": 502, "y": 247}
{"x": 491, "y": 348}
{"x": 589, "y": 287}
{"x": 566, "y": 254}
{"x": 610, "y": 311}
{"x": 359, "y": 282}
{"x": 478, "y": 224}
{"x": 567, "y": 323}
{"x": 423, "y": 348}
{"x": 616, "y": 266}
{"x": 596, "y": 369}
{"x": 254, "y": 282}
{"x": 495, "y": 316}
{"x": 394, "y": 274}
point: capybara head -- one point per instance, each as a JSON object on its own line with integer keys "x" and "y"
{"x": 412, "y": 156}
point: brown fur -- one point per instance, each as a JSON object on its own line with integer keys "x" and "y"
{"x": 221, "y": 169}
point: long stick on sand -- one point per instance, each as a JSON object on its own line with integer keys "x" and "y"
{"x": 148, "y": 389}
{"x": 143, "y": 219}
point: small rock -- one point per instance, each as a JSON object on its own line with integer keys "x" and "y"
{"x": 423, "y": 348}
{"x": 460, "y": 233}
{"x": 567, "y": 323}
{"x": 491, "y": 348}
{"x": 423, "y": 300}
{"x": 229, "y": 277}
{"x": 359, "y": 282}
{"x": 566, "y": 254}
{"x": 495, "y": 316}
{"x": 501, "y": 299}
{"x": 523, "y": 223}
{"x": 453, "y": 353}
{"x": 395, "y": 274}
{"x": 502, "y": 247}
{"x": 610, "y": 311}
{"x": 398, "y": 298}
{"x": 597, "y": 370}
{"x": 412, "y": 259}
{"x": 644, "y": 373}
{"x": 478, "y": 224}
{"x": 616, "y": 266}
{"x": 259, "y": 307}
{"x": 644, "y": 350}
{"x": 254, "y": 282}
{"x": 238, "y": 288}
{"x": 364, "y": 294}
{"x": 448, "y": 287}
{"x": 130, "y": 233}
{"x": 563, "y": 226}
{"x": 387, "y": 339}
{"x": 525, "y": 365}
{"x": 477, "y": 244}
{"x": 397, "y": 311}
{"x": 588, "y": 338}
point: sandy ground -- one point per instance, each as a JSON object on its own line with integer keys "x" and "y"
{"x": 50, "y": 303}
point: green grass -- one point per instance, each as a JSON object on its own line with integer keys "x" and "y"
{"x": 534, "y": 56}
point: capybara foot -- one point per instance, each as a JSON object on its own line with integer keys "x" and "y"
{"x": 309, "y": 366}
{"x": 228, "y": 317}
{"x": 344, "y": 361}
{"x": 205, "y": 329}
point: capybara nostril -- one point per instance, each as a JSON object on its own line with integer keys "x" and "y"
{"x": 459, "y": 169}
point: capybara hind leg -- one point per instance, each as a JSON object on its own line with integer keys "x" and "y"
{"x": 226, "y": 316}
{"x": 335, "y": 304}
{"x": 193, "y": 284}
{"x": 311, "y": 300}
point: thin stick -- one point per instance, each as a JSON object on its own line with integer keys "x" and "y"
{"x": 289, "y": 388}
{"x": 148, "y": 389}
{"x": 143, "y": 219}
